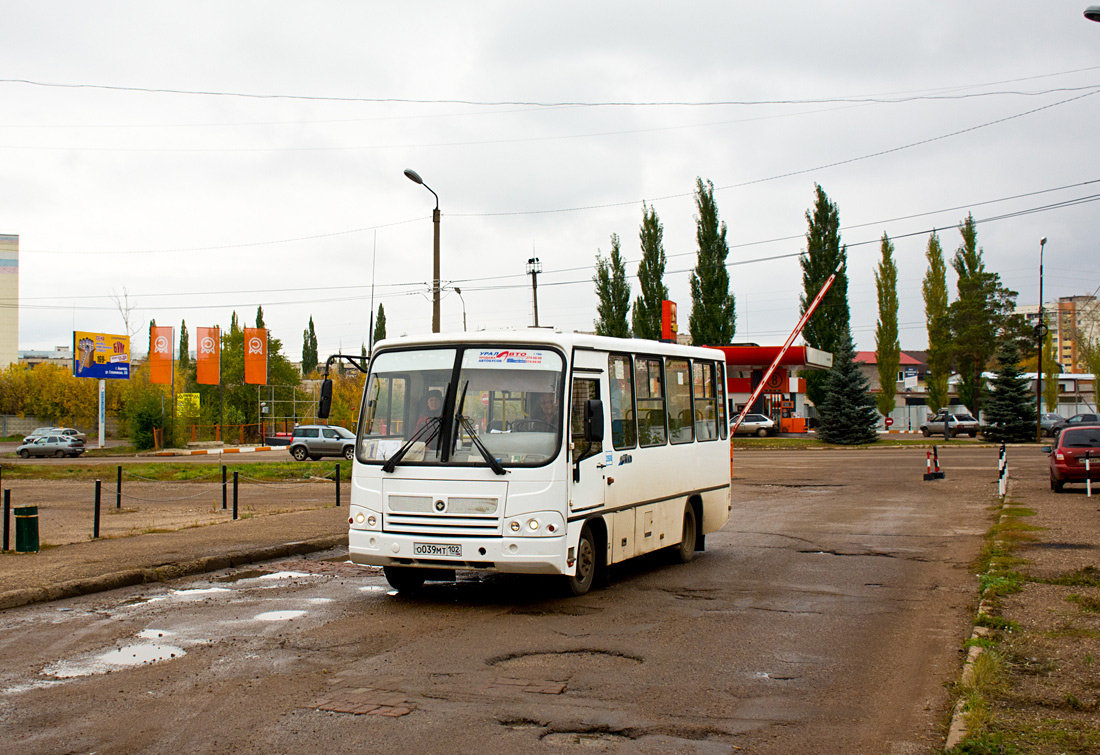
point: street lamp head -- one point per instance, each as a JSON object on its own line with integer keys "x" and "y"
{"x": 1092, "y": 13}
{"x": 413, "y": 176}
{"x": 1043, "y": 241}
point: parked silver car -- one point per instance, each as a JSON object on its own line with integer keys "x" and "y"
{"x": 315, "y": 441}
{"x": 51, "y": 445}
{"x": 756, "y": 424}
{"x": 957, "y": 424}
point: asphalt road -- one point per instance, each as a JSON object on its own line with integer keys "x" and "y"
{"x": 827, "y": 616}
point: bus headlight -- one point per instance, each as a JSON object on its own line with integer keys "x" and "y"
{"x": 365, "y": 519}
{"x": 538, "y": 524}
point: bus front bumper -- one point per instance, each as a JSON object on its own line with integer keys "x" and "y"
{"x": 516, "y": 555}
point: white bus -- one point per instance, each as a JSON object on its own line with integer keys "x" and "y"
{"x": 536, "y": 452}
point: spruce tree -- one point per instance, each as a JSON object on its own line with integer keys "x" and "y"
{"x": 309, "y": 348}
{"x": 613, "y": 292}
{"x": 646, "y": 316}
{"x": 713, "y": 319}
{"x": 887, "y": 347}
{"x": 847, "y": 411}
{"x": 934, "y": 289}
{"x": 1009, "y": 414}
{"x": 828, "y": 328}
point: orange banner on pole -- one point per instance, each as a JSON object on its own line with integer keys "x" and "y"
{"x": 160, "y": 354}
{"x": 208, "y": 368}
{"x": 255, "y": 356}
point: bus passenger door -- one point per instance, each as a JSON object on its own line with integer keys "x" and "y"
{"x": 586, "y": 457}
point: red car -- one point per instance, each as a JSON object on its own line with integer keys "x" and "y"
{"x": 1067, "y": 458}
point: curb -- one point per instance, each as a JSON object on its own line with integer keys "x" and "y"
{"x": 958, "y": 728}
{"x": 213, "y": 451}
{"x": 165, "y": 572}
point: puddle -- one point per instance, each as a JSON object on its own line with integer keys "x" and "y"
{"x": 286, "y": 575}
{"x": 199, "y": 591}
{"x": 154, "y": 634}
{"x": 118, "y": 659}
{"x": 374, "y": 588}
{"x": 278, "y": 615}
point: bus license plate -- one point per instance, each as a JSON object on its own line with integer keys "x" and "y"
{"x": 448, "y": 550}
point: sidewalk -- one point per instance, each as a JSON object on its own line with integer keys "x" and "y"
{"x": 105, "y": 564}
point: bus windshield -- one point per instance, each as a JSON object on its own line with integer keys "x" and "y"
{"x": 487, "y": 406}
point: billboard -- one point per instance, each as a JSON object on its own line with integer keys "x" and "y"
{"x": 255, "y": 356}
{"x": 101, "y": 355}
{"x": 208, "y": 367}
{"x": 161, "y": 353}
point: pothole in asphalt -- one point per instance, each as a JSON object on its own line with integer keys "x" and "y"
{"x": 238, "y": 576}
{"x": 584, "y": 738}
{"x": 588, "y": 660}
{"x": 125, "y": 657}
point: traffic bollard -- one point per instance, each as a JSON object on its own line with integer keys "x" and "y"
{"x": 234, "y": 495}
{"x": 337, "y": 484}
{"x": 95, "y": 524}
{"x": 118, "y": 489}
{"x": 225, "y": 492}
{"x": 1088, "y": 474}
{"x": 7, "y": 518}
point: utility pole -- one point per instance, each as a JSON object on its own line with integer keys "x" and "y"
{"x": 534, "y": 267}
{"x": 1040, "y": 336}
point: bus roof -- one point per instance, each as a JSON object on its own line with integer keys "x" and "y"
{"x": 551, "y": 337}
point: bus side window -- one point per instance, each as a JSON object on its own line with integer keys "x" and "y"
{"x": 583, "y": 390}
{"x": 681, "y": 424}
{"x": 649, "y": 388}
{"x": 624, "y": 430}
{"x": 706, "y": 401}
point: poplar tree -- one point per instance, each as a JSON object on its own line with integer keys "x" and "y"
{"x": 887, "y": 347}
{"x": 613, "y": 292}
{"x": 379, "y": 326}
{"x": 934, "y": 289}
{"x": 646, "y": 316}
{"x": 185, "y": 347}
{"x": 713, "y": 318}
{"x": 309, "y": 348}
{"x": 828, "y": 328}
{"x": 259, "y": 317}
{"x": 1051, "y": 370}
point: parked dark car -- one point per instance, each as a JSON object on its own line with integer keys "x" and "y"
{"x": 51, "y": 445}
{"x": 1067, "y": 457}
{"x": 1047, "y": 422}
{"x": 1075, "y": 421}
{"x": 315, "y": 441}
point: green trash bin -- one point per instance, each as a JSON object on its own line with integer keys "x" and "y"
{"x": 26, "y": 529}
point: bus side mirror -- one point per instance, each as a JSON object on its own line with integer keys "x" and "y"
{"x": 593, "y": 420}
{"x": 324, "y": 405}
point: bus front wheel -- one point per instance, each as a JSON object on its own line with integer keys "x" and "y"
{"x": 686, "y": 550}
{"x": 581, "y": 582}
{"x": 404, "y": 579}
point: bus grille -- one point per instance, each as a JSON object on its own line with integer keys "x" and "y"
{"x": 455, "y": 515}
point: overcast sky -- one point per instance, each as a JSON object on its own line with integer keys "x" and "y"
{"x": 197, "y": 158}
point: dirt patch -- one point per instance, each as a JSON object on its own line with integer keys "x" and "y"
{"x": 1040, "y": 691}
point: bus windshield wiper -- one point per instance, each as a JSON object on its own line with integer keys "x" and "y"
{"x": 469, "y": 428}
{"x": 432, "y": 424}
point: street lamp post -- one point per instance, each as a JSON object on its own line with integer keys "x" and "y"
{"x": 1040, "y": 335}
{"x": 534, "y": 267}
{"x": 459, "y": 292}
{"x": 413, "y": 176}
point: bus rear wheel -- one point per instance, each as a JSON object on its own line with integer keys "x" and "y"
{"x": 404, "y": 579}
{"x": 686, "y": 550}
{"x": 580, "y": 583}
